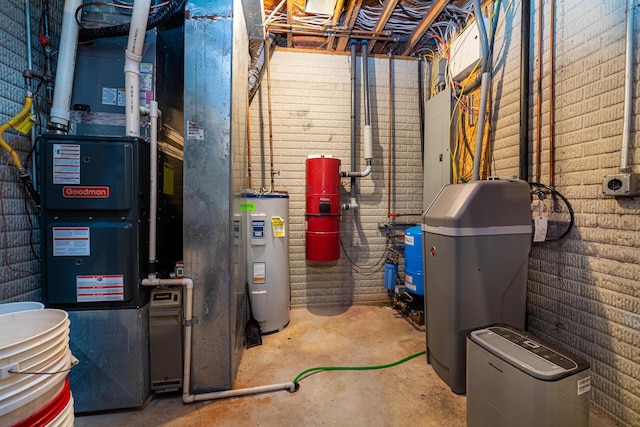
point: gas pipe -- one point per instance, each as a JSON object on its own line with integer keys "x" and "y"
{"x": 323, "y": 208}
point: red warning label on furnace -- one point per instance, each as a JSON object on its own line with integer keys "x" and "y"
{"x": 85, "y": 192}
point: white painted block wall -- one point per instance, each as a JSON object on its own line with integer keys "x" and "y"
{"x": 311, "y": 109}
{"x": 584, "y": 292}
{"x": 19, "y": 238}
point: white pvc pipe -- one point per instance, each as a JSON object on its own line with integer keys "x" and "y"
{"x": 59, "y": 115}
{"x": 628, "y": 88}
{"x": 133, "y": 57}
{"x": 153, "y": 214}
{"x": 368, "y": 131}
{"x": 187, "y": 397}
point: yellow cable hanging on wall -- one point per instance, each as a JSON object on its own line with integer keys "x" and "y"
{"x": 22, "y": 122}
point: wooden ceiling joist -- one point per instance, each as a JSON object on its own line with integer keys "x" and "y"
{"x": 289, "y": 21}
{"x": 350, "y": 21}
{"x": 389, "y": 6}
{"x": 435, "y": 11}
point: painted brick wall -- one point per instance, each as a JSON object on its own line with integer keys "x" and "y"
{"x": 20, "y": 238}
{"x": 584, "y": 292}
{"x": 311, "y": 112}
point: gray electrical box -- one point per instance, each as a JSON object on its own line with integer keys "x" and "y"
{"x": 515, "y": 379}
{"x": 165, "y": 338}
{"x": 438, "y": 139}
{"x": 476, "y": 241}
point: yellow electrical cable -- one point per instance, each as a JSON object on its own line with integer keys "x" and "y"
{"x": 22, "y": 123}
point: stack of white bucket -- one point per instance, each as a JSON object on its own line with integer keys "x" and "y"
{"x": 34, "y": 363}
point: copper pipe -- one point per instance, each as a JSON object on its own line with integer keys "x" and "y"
{"x": 332, "y": 34}
{"x": 329, "y": 29}
{"x": 248, "y": 141}
{"x": 268, "y": 61}
{"x": 552, "y": 94}
{"x": 390, "y": 130}
{"x": 538, "y": 153}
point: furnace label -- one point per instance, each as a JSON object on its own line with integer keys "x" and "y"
{"x": 71, "y": 241}
{"x": 100, "y": 288}
{"x": 66, "y": 164}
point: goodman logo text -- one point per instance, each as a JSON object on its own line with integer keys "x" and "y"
{"x": 85, "y": 192}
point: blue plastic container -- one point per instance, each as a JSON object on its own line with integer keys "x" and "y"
{"x": 390, "y": 276}
{"x": 413, "y": 269}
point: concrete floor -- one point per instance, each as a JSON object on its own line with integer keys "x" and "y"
{"x": 410, "y": 394}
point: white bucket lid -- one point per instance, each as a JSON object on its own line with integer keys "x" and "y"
{"x": 12, "y": 307}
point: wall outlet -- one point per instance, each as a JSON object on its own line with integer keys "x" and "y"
{"x": 621, "y": 185}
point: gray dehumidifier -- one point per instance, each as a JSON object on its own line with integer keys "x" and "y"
{"x": 514, "y": 379}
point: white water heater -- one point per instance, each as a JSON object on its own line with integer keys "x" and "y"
{"x": 268, "y": 259}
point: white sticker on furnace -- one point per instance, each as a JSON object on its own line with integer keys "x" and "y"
{"x": 109, "y": 95}
{"x": 96, "y": 288}
{"x": 66, "y": 164}
{"x": 71, "y": 241}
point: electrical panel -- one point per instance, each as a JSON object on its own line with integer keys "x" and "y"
{"x": 438, "y": 140}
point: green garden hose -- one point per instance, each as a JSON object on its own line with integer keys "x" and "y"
{"x": 302, "y": 374}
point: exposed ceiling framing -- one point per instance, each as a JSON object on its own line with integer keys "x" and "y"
{"x": 399, "y": 27}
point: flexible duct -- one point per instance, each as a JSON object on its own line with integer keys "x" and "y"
{"x": 133, "y": 57}
{"x": 59, "y": 115}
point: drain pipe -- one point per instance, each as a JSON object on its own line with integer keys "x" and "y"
{"x": 486, "y": 80}
{"x": 59, "y": 115}
{"x": 133, "y": 57}
{"x": 368, "y": 133}
{"x": 525, "y": 41}
{"x": 628, "y": 88}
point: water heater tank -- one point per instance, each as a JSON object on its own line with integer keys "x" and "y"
{"x": 268, "y": 259}
{"x": 323, "y": 208}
